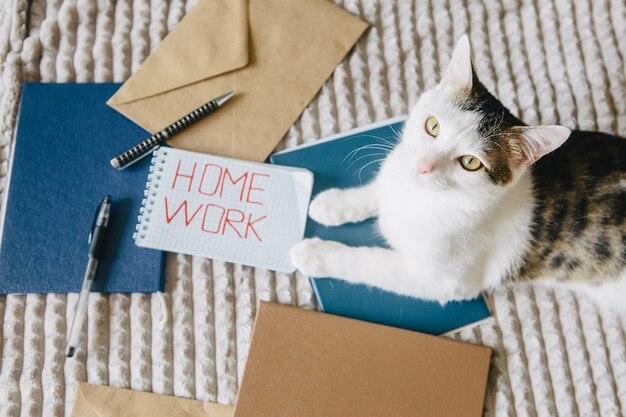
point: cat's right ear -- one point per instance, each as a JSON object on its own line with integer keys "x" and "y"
{"x": 533, "y": 142}
{"x": 459, "y": 73}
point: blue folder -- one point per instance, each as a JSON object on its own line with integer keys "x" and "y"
{"x": 347, "y": 160}
{"x": 66, "y": 135}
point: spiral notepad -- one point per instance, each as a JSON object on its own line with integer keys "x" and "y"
{"x": 223, "y": 208}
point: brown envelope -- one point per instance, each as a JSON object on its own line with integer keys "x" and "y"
{"x": 101, "y": 401}
{"x": 275, "y": 54}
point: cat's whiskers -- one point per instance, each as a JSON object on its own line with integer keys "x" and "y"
{"x": 384, "y": 155}
{"x": 368, "y": 164}
{"x": 405, "y": 107}
{"x": 350, "y": 157}
{"x": 386, "y": 146}
{"x": 372, "y": 146}
{"x": 390, "y": 141}
{"x": 398, "y": 134}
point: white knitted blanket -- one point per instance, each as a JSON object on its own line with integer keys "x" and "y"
{"x": 549, "y": 61}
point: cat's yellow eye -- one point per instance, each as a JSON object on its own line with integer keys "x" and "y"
{"x": 432, "y": 126}
{"x": 470, "y": 163}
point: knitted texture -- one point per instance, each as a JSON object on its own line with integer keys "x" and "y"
{"x": 553, "y": 61}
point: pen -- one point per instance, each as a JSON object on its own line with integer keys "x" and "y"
{"x": 142, "y": 149}
{"x": 97, "y": 236}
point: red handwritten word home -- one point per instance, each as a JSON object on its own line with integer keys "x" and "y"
{"x": 212, "y": 190}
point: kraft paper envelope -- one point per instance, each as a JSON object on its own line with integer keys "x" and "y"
{"x": 275, "y": 55}
{"x": 101, "y": 401}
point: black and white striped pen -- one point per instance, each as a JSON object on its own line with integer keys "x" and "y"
{"x": 142, "y": 149}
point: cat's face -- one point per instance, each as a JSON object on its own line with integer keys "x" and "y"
{"x": 441, "y": 148}
{"x": 460, "y": 137}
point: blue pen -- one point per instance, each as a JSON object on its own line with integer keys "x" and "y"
{"x": 97, "y": 237}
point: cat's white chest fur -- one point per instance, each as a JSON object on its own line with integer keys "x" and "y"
{"x": 446, "y": 245}
{"x": 451, "y": 234}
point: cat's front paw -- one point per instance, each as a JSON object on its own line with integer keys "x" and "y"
{"x": 310, "y": 256}
{"x": 330, "y": 208}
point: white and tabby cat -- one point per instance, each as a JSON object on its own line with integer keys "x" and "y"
{"x": 472, "y": 198}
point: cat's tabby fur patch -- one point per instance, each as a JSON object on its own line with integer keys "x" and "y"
{"x": 579, "y": 220}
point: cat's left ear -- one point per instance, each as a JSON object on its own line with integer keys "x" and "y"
{"x": 459, "y": 73}
{"x": 533, "y": 142}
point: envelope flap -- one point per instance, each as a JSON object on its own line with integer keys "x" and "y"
{"x": 210, "y": 40}
{"x": 82, "y": 406}
{"x": 103, "y": 401}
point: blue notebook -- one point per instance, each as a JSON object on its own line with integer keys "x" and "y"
{"x": 344, "y": 161}
{"x": 65, "y": 137}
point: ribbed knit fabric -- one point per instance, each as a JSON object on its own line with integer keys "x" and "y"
{"x": 553, "y": 61}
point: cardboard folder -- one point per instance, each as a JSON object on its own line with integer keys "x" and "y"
{"x": 275, "y": 55}
{"x": 306, "y": 364}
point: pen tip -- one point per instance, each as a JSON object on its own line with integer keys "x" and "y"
{"x": 114, "y": 163}
{"x": 223, "y": 99}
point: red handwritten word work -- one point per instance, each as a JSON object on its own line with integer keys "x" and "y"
{"x": 215, "y": 184}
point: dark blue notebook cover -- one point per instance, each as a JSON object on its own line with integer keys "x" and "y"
{"x": 66, "y": 135}
{"x": 347, "y": 160}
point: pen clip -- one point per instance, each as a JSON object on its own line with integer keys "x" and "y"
{"x": 93, "y": 222}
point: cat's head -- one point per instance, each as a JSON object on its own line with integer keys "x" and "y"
{"x": 460, "y": 137}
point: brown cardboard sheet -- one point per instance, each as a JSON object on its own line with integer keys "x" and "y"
{"x": 304, "y": 363}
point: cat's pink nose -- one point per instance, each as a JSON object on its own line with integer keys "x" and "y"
{"x": 424, "y": 167}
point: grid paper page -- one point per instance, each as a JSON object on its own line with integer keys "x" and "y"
{"x": 223, "y": 208}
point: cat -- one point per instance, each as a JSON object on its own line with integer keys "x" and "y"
{"x": 472, "y": 198}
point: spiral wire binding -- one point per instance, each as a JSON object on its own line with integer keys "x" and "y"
{"x": 152, "y": 184}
